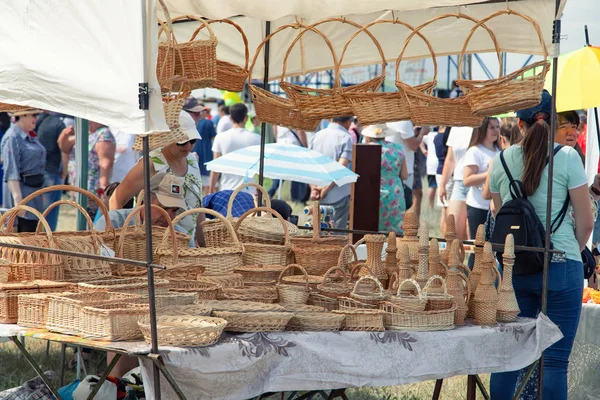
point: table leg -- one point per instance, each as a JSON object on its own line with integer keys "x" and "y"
{"x": 34, "y": 365}
{"x": 110, "y": 367}
{"x": 63, "y": 349}
{"x": 438, "y": 389}
{"x": 337, "y": 393}
{"x": 525, "y": 379}
{"x": 482, "y": 389}
{"x": 157, "y": 360}
{"x": 471, "y": 388}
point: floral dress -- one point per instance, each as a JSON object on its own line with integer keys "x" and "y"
{"x": 192, "y": 186}
{"x": 391, "y": 204}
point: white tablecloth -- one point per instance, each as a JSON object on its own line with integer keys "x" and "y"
{"x": 584, "y": 364}
{"x": 246, "y": 365}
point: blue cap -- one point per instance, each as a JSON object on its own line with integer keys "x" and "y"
{"x": 545, "y": 105}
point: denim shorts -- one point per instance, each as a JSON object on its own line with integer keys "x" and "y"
{"x": 459, "y": 191}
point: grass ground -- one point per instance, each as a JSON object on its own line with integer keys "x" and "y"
{"x": 14, "y": 368}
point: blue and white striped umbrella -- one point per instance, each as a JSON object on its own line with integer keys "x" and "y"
{"x": 284, "y": 161}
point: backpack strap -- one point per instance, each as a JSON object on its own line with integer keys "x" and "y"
{"x": 516, "y": 187}
{"x": 563, "y": 211}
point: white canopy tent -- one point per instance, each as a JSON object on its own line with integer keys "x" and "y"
{"x": 86, "y": 58}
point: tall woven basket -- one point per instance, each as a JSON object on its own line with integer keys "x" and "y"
{"x": 215, "y": 260}
{"x": 426, "y": 109}
{"x": 330, "y": 103}
{"x": 274, "y": 109}
{"x": 516, "y": 91}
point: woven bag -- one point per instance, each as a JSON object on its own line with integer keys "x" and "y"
{"x": 266, "y": 254}
{"x": 380, "y": 107}
{"x": 293, "y": 294}
{"x": 215, "y": 260}
{"x": 426, "y": 109}
{"x": 274, "y": 109}
{"x": 330, "y": 103}
{"x": 516, "y": 91}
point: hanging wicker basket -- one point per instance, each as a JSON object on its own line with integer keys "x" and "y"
{"x": 516, "y": 91}
{"x": 330, "y": 103}
{"x": 293, "y": 294}
{"x": 274, "y": 109}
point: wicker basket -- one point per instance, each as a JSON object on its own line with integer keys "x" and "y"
{"x": 346, "y": 303}
{"x": 396, "y": 317}
{"x": 170, "y": 299}
{"x": 291, "y": 293}
{"x": 181, "y": 271}
{"x": 26, "y": 265}
{"x": 348, "y": 258}
{"x": 33, "y": 309}
{"x": 259, "y": 273}
{"x": 184, "y": 330}
{"x": 327, "y": 303}
{"x": 335, "y": 287}
{"x": 302, "y": 308}
{"x": 268, "y": 321}
{"x": 358, "y": 271}
{"x": 215, "y": 260}
{"x": 437, "y": 301}
{"x": 241, "y": 306}
{"x": 137, "y": 286}
{"x": 203, "y": 290}
{"x": 64, "y": 311}
{"x": 266, "y": 254}
{"x": 229, "y": 280}
{"x": 426, "y": 109}
{"x": 300, "y": 280}
{"x": 316, "y": 321}
{"x": 167, "y": 51}
{"x": 273, "y": 109}
{"x": 330, "y": 103}
{"x": 517, "y": 91}
{"x": 408, "y": 301}
{"x": 131, "y": 243}
{"x": 362, "y": 320}
{"x": 261, "y": 294}
{"x": 11, "y": 108}
{"x": 197, "y": 310}
{"x": 9, "y": 296}
{"x": 112, "y": 322}
{"x": 368, "y": 293}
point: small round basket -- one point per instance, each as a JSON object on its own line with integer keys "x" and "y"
{"x": 203, "y": 290}
{"x": 293, "y": 294}
{"x": 184, "y": 330}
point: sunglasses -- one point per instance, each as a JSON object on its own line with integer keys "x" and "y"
{"x": 192, "y": 142}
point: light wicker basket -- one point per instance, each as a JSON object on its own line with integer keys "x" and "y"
{"x": 263, "y": 230}
{"x": 347, "y": 303}
{"x": 261, "y": 294}
{"x": 438, "y": 300}
{"x": 302, "y": 308}
{"x": 274, "y": 109}
{"x": 300, "y": 280}
{"x": 362, "y": 319}
{"x": 215, "y": 260}
{"x": 170, "y": 299}
{"x": 267, "y": 321}
{"x": 197, "y": 310}
{"x": 335, "y": 286}
{"x": 241, "y": 306}
{"x": 266, "y": 254}
{"x": 516, "y": 91}
{"x": 137, "y": 286}
{"x": 316, "y": 321}
{"x": 184, "y": 330}
{"x": 64, "y": 311}
{"x": 330, "y": 103}
{"x": 291, "y": 293}
{"x": 112, "y": 322}
{"x": 369, "y": 293}
{"x": 33, "y": 309}
{"x": 259, "y": 273}
{"x": 318, "y": 300}
{"x": 229, "y": 280}
{"x": 358, "y": 271}
{"x": 180, "y": 271}
{"x": 398, "y": 318}
{"x": 408, "y": 301}
{"x": 9, "y": 296}
{"x": 202, "y": 290}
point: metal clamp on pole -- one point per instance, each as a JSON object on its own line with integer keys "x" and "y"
{"x": 143, "y": 96}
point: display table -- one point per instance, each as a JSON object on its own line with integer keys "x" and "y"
{"x": 584, "y": 364}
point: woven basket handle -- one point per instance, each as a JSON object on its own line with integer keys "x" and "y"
{"x": 297, "y": 266}
{"x": 357, "y": 269}
{"x": 494, "y": 15}
{"x": 393, "y": 281}
{"x": 61, "y": 188}
{"x": 337, "y": 81}
{"x": 171, "y": 43}
{"x": 431, "y": 280}
{"x": 369, "y": 278}
{"x": 265, "y": 196}
{"x": 468, "y": 287}
{"x": 72, "y": 204}
{"x": 12, "y": 213}
{"x": 274, "y": 213}
{"x": 412, "y": 282}
{"x": 316, "y": 215}
{"x": 137, "y": 211}
{"x": 262, "y": 44}
{"x": 335, "y": 269}
{"x": 225, "y": 221}
{"x": 203, "y": 24}
{"x": 343, "y": 254}
{"x": 236, "y": 26}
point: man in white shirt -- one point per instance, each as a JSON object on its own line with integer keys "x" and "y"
{"x": 410, "y": 138}
{"x": 231, "y": 140}
{"x": 225, "y": 123}
{"x": 125, "y": 156}
{"x": 335, "y": 142}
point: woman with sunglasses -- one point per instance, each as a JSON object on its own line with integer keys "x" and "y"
{"x": 176, "y": 159}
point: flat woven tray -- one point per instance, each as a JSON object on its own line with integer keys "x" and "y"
{"x": 268, "y": 321}
{"x": 241, "y": 306}
{"x": 184, "y": 330}
{"x": 316, "y": 321}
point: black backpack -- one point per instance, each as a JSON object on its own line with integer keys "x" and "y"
{"x": 518, "y": 216}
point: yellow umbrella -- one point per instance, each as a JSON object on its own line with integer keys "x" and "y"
{"x": 578, "y": 85}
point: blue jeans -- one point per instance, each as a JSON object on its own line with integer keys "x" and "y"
{"x": 51, "y": 197}
{"x": 564, "y": 306}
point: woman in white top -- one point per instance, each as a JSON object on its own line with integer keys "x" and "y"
{"x": 457, "y": 143}
{"x": 483, "y": 148}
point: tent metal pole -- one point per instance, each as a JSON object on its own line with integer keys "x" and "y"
{"x": 263, "y": 125}
{"x": 81, "y": 160}
{"x": 143, "y": 95}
